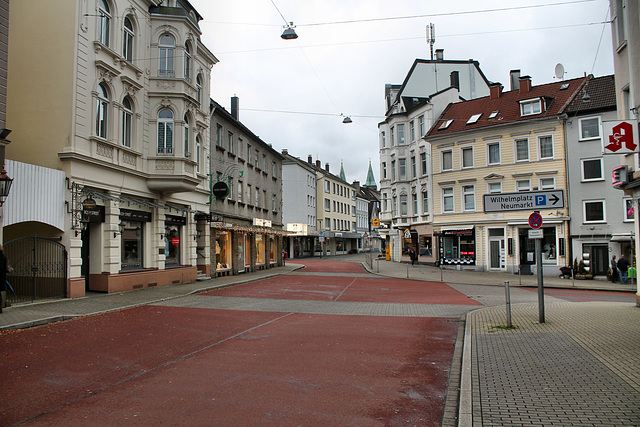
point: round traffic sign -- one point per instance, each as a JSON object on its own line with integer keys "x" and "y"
{"x": 535, "y": 220}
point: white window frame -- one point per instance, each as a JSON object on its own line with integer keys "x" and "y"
{"x": 166, "y": 56}
{"x": 402, "y": 169}
{"x": 404, "y": 205}
{"x": 448, "y": 193}
{"x": 580, "y": 129}
{"x": 462, "y": 158}
{"x": 421, "y": 125}
{"x": 582, "y": 174}
{"x": 127, "y": 122}
{"x": 515, "y": 149}
{"x": 128, "y": 39}
{"x": 401, "y": 137}
{"x": 443, "y": 167}
{"x": 104, "y": 22}
{"x": 625, "y": 209}
{"x": 526, "y": 186}
{"x": 425, "y": 202}
{"x": 468, "y": 190}
{"x": 527, "y": 107}
{"x": 489, "y": 145}
{"x": 540, "y": 138}
{"x": 491, "y": 190}
{"x": 423, "y": 164}
{"x": 102, "y": 112}
{"x": 543, "y": 186}
{"x": 187, "y": 62}
{"x": 584, "y": 211}
{"x": 166, "y": 123}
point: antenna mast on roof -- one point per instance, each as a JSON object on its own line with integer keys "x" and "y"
{"x": 431, "y": 37}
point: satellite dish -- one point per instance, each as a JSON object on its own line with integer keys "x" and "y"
{"x": 559, "y": 71}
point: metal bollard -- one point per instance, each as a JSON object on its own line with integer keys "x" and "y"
{"x": 508, "y": 298}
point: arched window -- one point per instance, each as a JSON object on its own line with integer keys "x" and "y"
{"x": 165, "y": 131}
{"x": 127, "y": 122}
{"x": 104, "y": 22}
{"x": 199, "y": 89}
{"x": 167, "y": 47}
{"x": 198, "y": 153}
{"x": 127, "y": 41}
{"x": 187, "y": 62}
{"x": 187, "y": 151}
{"x": 102, "y": 108}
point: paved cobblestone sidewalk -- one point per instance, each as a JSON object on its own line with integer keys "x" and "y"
{"x": 578, "y": 368}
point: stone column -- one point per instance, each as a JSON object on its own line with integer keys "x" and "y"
{"x": 111, "y": 262}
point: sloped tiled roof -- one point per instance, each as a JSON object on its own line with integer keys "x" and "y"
{"x": 601, "y": 93}
{"x": 508, "y": 107}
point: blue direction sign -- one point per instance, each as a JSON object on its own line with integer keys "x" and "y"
{"x": 525, "y": 200}
{"x": 535, "y": 220}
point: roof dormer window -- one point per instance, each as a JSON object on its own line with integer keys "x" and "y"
{"x": 445, "y": 124}
{"x": 493, "y": 114}
{"x": 530, "y": 107}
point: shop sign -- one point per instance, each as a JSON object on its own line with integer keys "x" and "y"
{"x": 131, "y": 215}
{"x": 175, "y": 220}
{"x": 456, "y": 233}
{"x": 201, "y": 216}
{"x": 259, "y": 222}
{"x": 175, "y": 241}
{"x": 220, "y": 189}
{"x": 620, "y": 137}
{"x": 89, "y": 203}
{"x": 506, "y": 202}
{"x": 94, "y": 214}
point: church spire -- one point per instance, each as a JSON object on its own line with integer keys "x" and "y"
{"x": 371, "y": 181}
{"x": 342, "y": 175}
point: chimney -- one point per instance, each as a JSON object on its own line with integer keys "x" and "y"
{"x": 514, "y": 77}
{"x": 326, "y": 167}
{"x": 235, "y": 103}
{"x": 455, "y": 79}
{"x": 318, "y": 164}
{"x": 310, "y": 159}
{"x": 495, "y": 90}
{"x": 525, "y": 84}
{"x": 439, "y": 54}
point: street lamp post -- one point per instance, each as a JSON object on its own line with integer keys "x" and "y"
{"x": 5, "y": 185}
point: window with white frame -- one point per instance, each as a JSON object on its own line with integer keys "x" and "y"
{"x": 240, "y": 191}
{"x": 589, "y": 128}
{"x": 127, "y": 122}
{"x": 447, "y": 160}
{"x": 592, "y": 170}
{"x": 545, "y": 144}
{"x": 469, "y": 197}
{"x": 383, "y": 139}
{"x": 166, "y": 46}
{"x": 423, "y": 163}
{"x": 186, "y": 137}
{"x": 219, "y": 135}
{"x": 127, "y": 39}
{"x": 523, "y": 185}
{"x": 412, "y": 130}
{"x": 230, "y": 142}
{"x": 414, "y": 172}
{"x": 403, "y": 204}
{"x": 530, "y": 107}
{"x": 493, "y": 153}
{"x": 421, "y": 126}
{"x": 495, "y": 187}
{"x": 199, "y": 89}
{"x": 522, "y": 150}
{"x": 165, "y": 131}
{"x": 402, "y": 169}
{"x": 385, "y": 202}
{"x": 628, "y": 214}
{"x": 425, "y": 201}
{"x": 384, "y": 170}
{"x": 104, "y": 22}
{"x": 393, "y": 170}
{"x": 414, "y": 203}
{"x": 187, "y": 62}
{"x": 198, "y": 150}
{"x": 547, "y": 183}
{"x": 447, "y": 199}
{"x": 594, "y": 211}
{"x": 102, "y": 111}
{"x": 467, "y": 157}
{"x": 327, "y": 186}
{"x": 392, "y": 131}
{"x": 395, "y": 205}
{"x": 327, "y": 205}
{"x": 400, "y": 134}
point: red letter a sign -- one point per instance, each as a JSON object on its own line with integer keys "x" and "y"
{"x": 621, "y": 138}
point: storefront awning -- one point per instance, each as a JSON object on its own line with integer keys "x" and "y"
{"x": 622, "y": 237}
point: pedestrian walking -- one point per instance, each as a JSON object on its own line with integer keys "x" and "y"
{"x": 623, "y": 267}
{"x": 3, "y": 278}
{"x": 412, "y": 255}
{"x": 614, "y": 269}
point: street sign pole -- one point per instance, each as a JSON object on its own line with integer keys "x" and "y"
{"x": 540, "y": 281}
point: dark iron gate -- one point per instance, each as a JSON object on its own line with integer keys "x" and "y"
{"x": 39, "y": 269}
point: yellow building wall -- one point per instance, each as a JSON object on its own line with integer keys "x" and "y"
{"x": 41, "y": 79}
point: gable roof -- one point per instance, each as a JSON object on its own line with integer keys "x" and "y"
{"x": 601, "y": 93}
{"x": 554, "y": 96}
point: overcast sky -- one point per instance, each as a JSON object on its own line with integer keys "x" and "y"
{"x": 292, "y": 92}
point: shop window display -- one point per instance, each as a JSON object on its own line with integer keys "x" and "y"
{"x": 241, "y": 259}
{"x": 247, "y": 252}
{"x": 172, "y": 245}
{"x": 131, "y": 245}
{"x": 272, "y": 249}
{"x": 223, "y": 251}
{"x": 259, "y": 249}
{"x": 426, "y": 246}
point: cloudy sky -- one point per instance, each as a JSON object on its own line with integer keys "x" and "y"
{"x": 293, "y": 92}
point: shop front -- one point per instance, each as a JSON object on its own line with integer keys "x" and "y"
{"x": 456, "y": 246}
